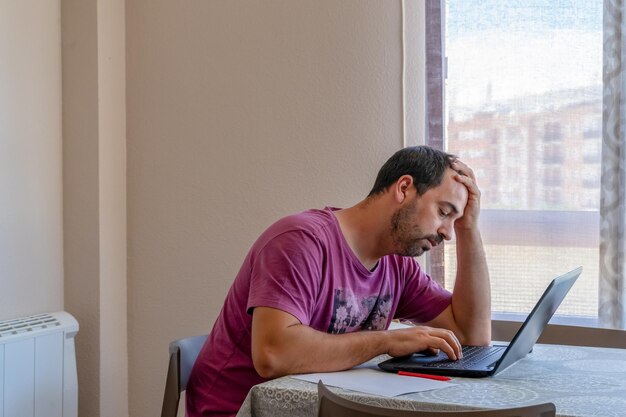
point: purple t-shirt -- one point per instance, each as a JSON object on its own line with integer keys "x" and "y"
{"x": 303, "y": 265}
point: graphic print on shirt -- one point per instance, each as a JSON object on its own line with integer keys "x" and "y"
{"x": 352, "y": 313}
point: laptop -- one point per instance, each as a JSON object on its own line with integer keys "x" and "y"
{"x": 482, "y": 361}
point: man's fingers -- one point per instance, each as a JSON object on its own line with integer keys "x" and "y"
{"x": 469, "y": 183}
{"x": 444, "y": 340}
{"x": 472, "y": 189}
{"x": 466, "y": 175}
{"x": 448, "y": 343}
{"x": 429, "y": 352}
{"x": 463, "y": 169}
{"x": 421, "y": 338}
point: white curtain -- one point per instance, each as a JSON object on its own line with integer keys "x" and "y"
{"x": 613, "y": 193}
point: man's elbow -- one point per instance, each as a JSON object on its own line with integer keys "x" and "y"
{"x": 267, "y": 363}
{"x": 478, "y": 341}
{"x": 478, "y": 338}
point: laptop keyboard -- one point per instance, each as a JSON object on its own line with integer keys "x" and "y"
{"x": 471, "y": 356}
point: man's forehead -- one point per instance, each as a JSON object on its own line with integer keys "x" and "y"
{"x": 451, "y": 191}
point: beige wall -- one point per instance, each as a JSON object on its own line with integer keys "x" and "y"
{"x": 31, "y": 240}
{"x": 240, "y": 112}
{"x": 94, "y": 178}
{"x": 234, "y": 113}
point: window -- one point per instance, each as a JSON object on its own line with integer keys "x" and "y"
{"x": 523, "y": 107}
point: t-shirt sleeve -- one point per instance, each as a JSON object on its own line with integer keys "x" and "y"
{"x": 422, "y": 298}
{"x": 286, "y": 275}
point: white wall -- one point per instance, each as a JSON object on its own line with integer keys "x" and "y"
{"x": 240, "y": 112}
{"x": 31, "y": 241}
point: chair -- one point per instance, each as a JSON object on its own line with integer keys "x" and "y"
{"x": 183, "y": 354}
{"x": 332, "y": 405}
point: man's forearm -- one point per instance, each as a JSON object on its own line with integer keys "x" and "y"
{"x": 471, "y": 299}
{"x": 281, "y": 345}
{"x": 310, "y": 350}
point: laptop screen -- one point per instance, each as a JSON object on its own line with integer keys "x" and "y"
{"x": 538, "y": 318}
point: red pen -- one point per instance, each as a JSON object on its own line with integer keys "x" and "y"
{"x": 436, "y": 377}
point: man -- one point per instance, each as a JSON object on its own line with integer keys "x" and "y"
{"x": 318, "y": 289}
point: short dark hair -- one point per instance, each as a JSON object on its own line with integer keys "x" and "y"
{"x": 425, "y": 164}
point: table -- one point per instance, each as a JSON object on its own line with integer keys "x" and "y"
{"x": 580, "y": 381}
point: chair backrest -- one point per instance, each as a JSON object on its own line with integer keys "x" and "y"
{"x": 183, "y": 354}
{"x": 332, "y": 405}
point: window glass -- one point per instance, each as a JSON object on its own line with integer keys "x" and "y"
{"x": 524, "y": 108}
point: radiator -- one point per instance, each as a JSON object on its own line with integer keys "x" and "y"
{"x": 38, "y": 366}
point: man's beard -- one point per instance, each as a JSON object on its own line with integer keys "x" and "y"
{"x": 409, "y": 240}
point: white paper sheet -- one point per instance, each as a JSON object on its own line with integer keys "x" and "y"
{"x": 374, "y": 381}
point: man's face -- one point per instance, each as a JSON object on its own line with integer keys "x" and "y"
{"x": 424, "y": 221}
